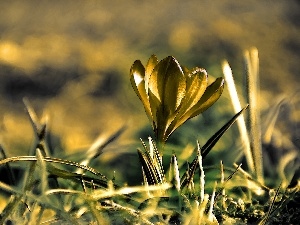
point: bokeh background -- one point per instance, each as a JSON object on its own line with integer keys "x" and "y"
{"x": 71, "y": 59}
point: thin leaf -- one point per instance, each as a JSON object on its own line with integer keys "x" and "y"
{"x": 151, "y": 163}
{"x": 32, "y": 116}
{"x": 157, "y": 160}
{"x": 215, "y": 138}
{"x": 201, "y": 173}
{"x": 268, "y": 215}
{"x": 211, "y": 216}
{"x": 252, "y": 74}
{"x": 38, "y": 127}
{"x": 93, "y": 181}
{"x": 99, "y": 145}
{"x": 240, "y": 121}
{"x": 43, "y": 173}
{"x": 10, "y": 173}
{"x": 148, "y": 169}
{"x": 174, "y": 177}
{"x": 188, "y": 177}
{"x": 52, "y": 160}
{"x": 11, "y": 206}
{"x": 147, "y": 163}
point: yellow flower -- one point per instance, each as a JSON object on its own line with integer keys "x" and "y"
{"x": 172, "y": 94}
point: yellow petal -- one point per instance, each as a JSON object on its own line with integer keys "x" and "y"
{"x": 167, "y": 83}
{"x": 160, "y": 117}
{"x": 196, "y": 83}
{"x": 152, "y": 62}
{"x": 210, "y": 96}
{"x": 137, "y": 74}
{"x": 166, "y": 90}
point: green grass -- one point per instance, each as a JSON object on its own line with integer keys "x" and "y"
{"x": 187, "y": 183}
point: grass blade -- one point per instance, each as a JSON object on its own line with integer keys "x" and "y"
{"x": 188, "y": 177}
{"x": 240, "y": 121}
{"x": 10, "y": 173}
{"x": 215, "y": 138}
{"x": 39, "y": 129}
{"x": 252, "y": 62}
{"x": 148, "y": 170}
{"x": 174, "y": 176}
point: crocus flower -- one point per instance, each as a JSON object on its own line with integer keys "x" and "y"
{"x": 172, "y": 94}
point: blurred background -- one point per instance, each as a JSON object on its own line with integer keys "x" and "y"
{"x": 71, "y": 59}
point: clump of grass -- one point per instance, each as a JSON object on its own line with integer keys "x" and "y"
{"x": 52, "y": 190}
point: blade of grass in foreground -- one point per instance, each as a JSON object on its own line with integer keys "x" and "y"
{"x": 39, "y": 128}
{"x": 208, "y": 146}
{"x": 240, "y": 121}
{"x": 10, "y": 174}
{"x": 215, "y": 138}
{"x": 252, "y": 62}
